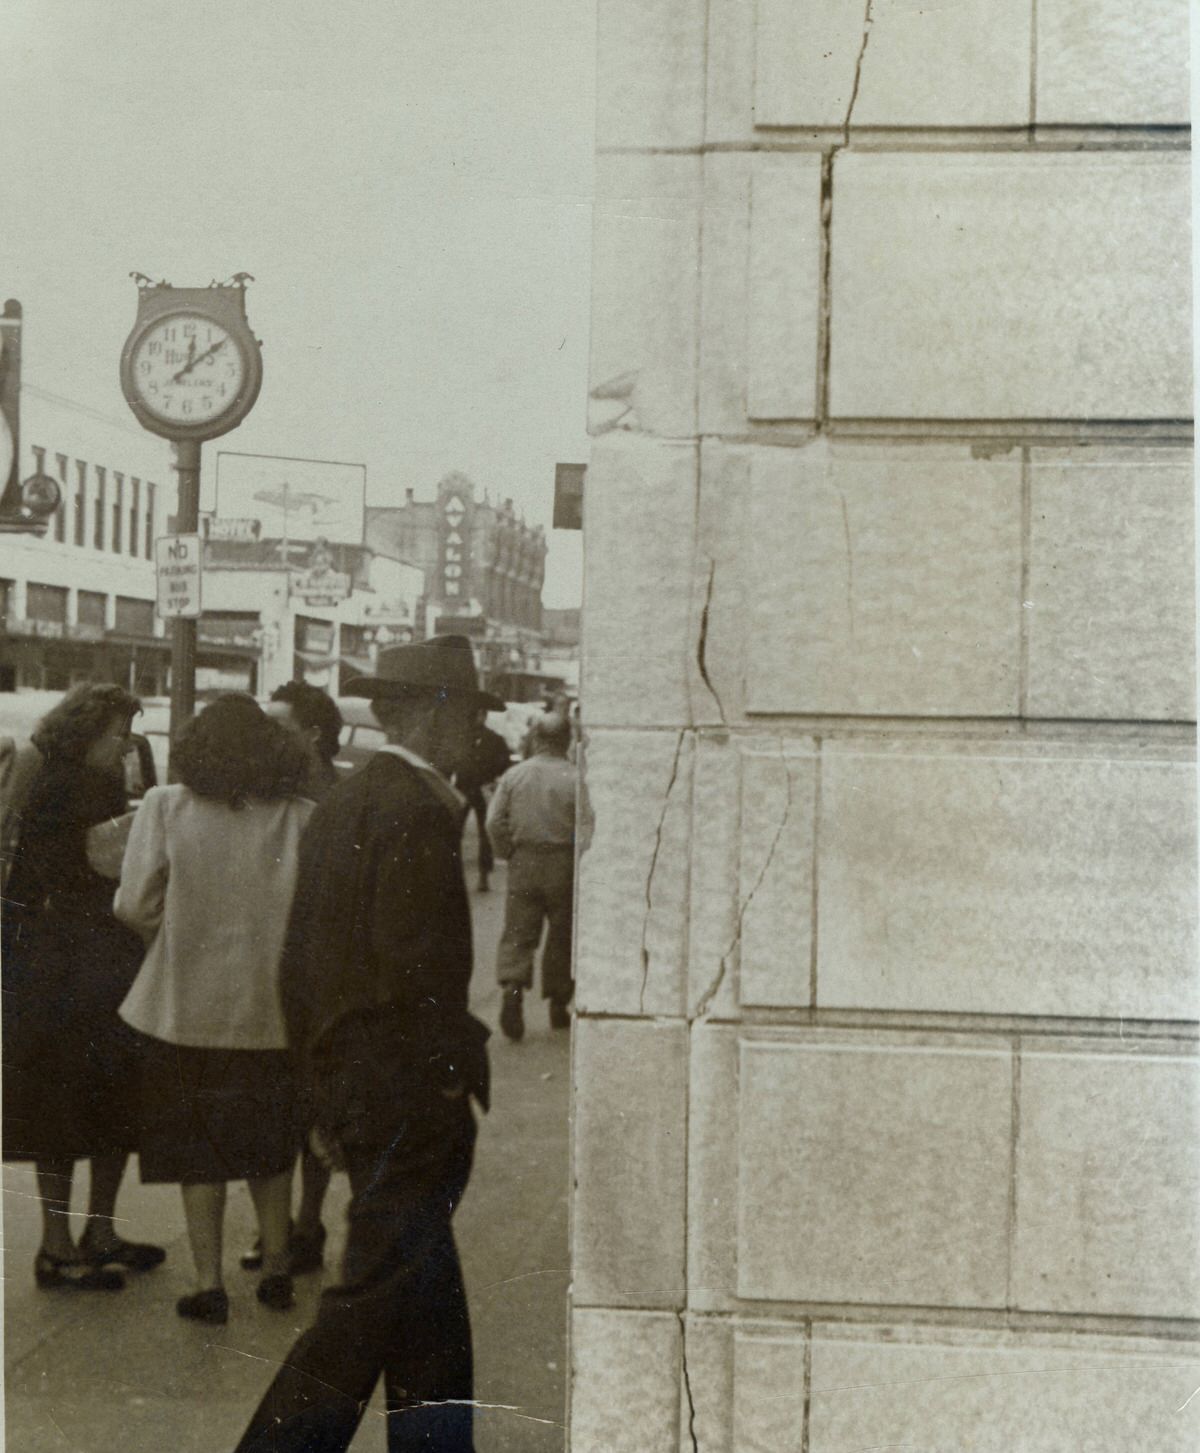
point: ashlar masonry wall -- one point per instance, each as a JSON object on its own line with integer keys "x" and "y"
{"x": 885, "y": 1067}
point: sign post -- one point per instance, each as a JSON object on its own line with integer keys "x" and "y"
{"x": 191, "y": 370}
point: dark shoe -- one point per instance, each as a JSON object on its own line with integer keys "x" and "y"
{"x": 252, "y": 1260}
{"x": 560, "y": 1015}
{"x": 84, "y": 1276}
{"x": 276, "y": 1292}
{"x": 210, "y": 1306}
{"x": 306, "y": 1253}
{"x": 132, "y": 1255}
{"x": 512, "y": 1013}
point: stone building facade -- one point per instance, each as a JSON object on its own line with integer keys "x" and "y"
{"x": 885, "y": 1084}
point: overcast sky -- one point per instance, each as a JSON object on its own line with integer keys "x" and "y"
{"x": 408, "y": 183}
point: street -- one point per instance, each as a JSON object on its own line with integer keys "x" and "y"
{"x": 90, "y": 1373}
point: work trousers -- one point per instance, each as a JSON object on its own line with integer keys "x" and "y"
{"x": 540, "y": 889}
{"x": 401, "y": 1310}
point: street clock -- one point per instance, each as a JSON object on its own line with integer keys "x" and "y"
{"x": 191, "y": 368}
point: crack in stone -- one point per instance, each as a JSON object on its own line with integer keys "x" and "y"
{"x": 825, "y": 345}
{"x": 687, "y": 1384}
{"x": 653, "y": 865}
{"x": 705, "y": 1002}
{"x": 868, "y": 21}
{"x": 702, "y": 645}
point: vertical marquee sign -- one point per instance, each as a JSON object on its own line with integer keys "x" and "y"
{"x": 191, "y": 370}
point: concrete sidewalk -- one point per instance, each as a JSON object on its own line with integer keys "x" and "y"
{"x": 121, "y": 1373}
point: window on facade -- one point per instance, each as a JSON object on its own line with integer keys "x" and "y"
{"x": 80, "y": 502}
{"x": 100, "y": 502}
{"x": 117, "y": 509}
{"x": 46, "y": 602}
{"x": 91, "y": 608}
{"x": 5, "y": 597}
{"x": 149, "y": 520}
{"x": 134, "y": 617}
{"x": 60, "y": 514}
{"x": 134, "y": 498}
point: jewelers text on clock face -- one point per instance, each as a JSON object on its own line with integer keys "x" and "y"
{"x": 188, "y": 369}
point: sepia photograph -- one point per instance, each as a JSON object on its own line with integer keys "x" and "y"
{"x": 598, "y": 816}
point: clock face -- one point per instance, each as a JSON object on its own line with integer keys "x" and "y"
{"x": 187, "y": 369}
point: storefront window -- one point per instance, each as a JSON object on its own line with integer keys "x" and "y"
{"x": 135, "y": 617}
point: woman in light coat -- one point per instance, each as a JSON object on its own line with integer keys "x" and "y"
{"x": 208, "y": 879}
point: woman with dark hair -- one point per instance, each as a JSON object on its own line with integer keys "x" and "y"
{"x": 208, "y": 880}
{"x": 70, "y": 1064}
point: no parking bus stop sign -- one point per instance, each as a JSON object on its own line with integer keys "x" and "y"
{"x": 177, "y": 568}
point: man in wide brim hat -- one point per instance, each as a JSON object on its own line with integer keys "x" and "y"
{"x": 374, "y": 980}
{"x": 443, "y": 666}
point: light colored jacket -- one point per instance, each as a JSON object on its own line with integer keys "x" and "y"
{"x": 533, "y": 805}
{"x": 210, "y": 888}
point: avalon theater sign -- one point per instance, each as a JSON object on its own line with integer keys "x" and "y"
{"x": 455, "y": 554}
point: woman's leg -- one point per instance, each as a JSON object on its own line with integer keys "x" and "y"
{"x": 314, "y": 1182}
{"x": 204, "y": 1211}
{"x": 107, "y": 1171}
{"x": 272, "y": 1196}
{"x": 54, "y": 1179}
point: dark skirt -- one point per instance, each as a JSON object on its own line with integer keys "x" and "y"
{"x": 213, "y": 1115}
{"x": 71, "y": 1065}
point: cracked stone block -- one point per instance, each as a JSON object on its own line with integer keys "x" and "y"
{"x": 886, "y": 581}
{"x": 712, "y": 1166}
{"x": 638, "y": 550}
{"x": 645, "y": 269}
{"x": 785, "y": 287}
{"x": 712, "y": 899}
{"x": 650, "y": 73}
{"x": 631, "y": 906}
{"x": 1108, "y": 1181}
{"x": 625, "y": 1383}
{"x": 996, "y": 1392}
{"x": 911, "y": 63}
{"x": 1111, "y": 611}
{"x": 717, "y": 665}
{"x": 1112, "y": 62}
{"x": 994, "y": 286}
{"x": 630, "y": 1163}
{"x": 1001, "y": 879}
{"x": 769, "y": 1390}
{"x": 874, "y": 1168}
{"x": 760, "y": 289}
{"x": 776, "y": 874}
{"x": 707, "y": 1418}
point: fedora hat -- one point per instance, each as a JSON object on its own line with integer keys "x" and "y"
{"x": 443, "y": 664}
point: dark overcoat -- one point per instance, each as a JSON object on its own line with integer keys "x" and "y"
{"x": 376, "y": 965}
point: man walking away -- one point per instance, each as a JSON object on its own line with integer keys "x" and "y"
{"x": 489, "y": 757}
{"x": 374, "y": 979}
{"x": 532, "y": 823}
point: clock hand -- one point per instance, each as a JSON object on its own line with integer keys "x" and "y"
{"x": 199, "y": 358}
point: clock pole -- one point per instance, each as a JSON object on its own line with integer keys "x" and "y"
{"x": 191, "y": 370}
{"x": 183, "y": 641}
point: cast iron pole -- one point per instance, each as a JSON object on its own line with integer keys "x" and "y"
{"x": 183, "y": 641}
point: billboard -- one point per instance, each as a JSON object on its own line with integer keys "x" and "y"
{"x": 293, "y": 499}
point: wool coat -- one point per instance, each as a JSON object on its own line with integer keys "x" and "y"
{"x": 376, "y": 963}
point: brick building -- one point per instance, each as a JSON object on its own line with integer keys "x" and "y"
{"x": 483, "y": 567}
{"x": 885, "y": 1075}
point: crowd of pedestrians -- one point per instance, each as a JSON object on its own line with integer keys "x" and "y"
{"x": 267, "y": 964}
